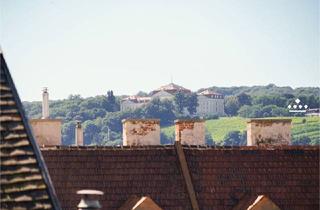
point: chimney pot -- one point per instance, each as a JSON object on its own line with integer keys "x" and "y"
{"x": 79, "y": 134}
{"x": 89, "y": 200}
{"x": 190, "y": 132}
{"x": 45, "y": 103}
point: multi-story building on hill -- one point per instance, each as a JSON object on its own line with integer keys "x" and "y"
{"x": 210, "y": 103}
{"x": 133, "y": 102}
{"x": 168, "y": 91}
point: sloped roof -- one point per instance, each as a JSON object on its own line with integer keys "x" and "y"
{"x": 260, "y": 202}
{"x": 25, "y": 183}
{"x": 221, "y": 176}
{"x": 288, "y": 175}
{"x": 171, "y": 88}
{"x": 143, "y": 203}
{"x": 119, "y": 173}
{"x": 210, "y": 94}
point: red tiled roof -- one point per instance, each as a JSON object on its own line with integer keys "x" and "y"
{"x": 211, "y": 94}
{"x": 288, "y": 175}
{"x": 119, "y": 173}
{"x": 171, "y": 88}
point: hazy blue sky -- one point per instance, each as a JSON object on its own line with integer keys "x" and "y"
{"x": 88, "y": 47}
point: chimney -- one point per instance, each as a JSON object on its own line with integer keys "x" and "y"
{"x": 268, "y": 132}
{"x": 191, "y": 132}
{"x": 141, "y": 132}
{"x": 79, "y": 134}
{"x": 89, "y": 199}
{"x": 45, "y": 103}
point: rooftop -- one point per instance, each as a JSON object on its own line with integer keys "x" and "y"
{"x": 25, "y": 182}
{"x": 221, "y": 176}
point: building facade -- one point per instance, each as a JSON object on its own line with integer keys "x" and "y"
{"x": 209, "y": 103}
{"x": 133, "y": 102}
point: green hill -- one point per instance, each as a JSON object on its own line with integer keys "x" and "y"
{"x": 220, "y": 127}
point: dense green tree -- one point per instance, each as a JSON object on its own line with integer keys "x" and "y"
{"x": 265, "y": 100}
{"x": 112, "y": 105}
{"x": 235, "y": 138}
{"x": 192, "y": 103}
{"x": 91, "y": 133}
{"x": 254, "y": 111}
{"x": 33, "y": 109}
{"x": 160, "y": 109}
{"x": 313, "y": 101}
{"x": 68, "y": 133}
{"x": 231, "y": 105}
{"x": 100, "y": 113}
{"x": 304, "y": 140}
{"x": 180, "y": 100}
{"x": 208, "y": 138}
{"x": 244, "y": 99}
{"x": 164, "y": 139}
{"x": 142, "y": 94}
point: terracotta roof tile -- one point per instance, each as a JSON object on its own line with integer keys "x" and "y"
{"x": 24, "y": 181}
{"x": 119, "y": 173}
{"x": 222, "y": 176}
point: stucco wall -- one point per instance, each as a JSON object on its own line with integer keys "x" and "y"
{"x": 190, "y": 132}
{"x": 129, "y": 105}
{"x": 141, "y": 132}
{"x": 210, "y": 106}
{"x": 269, "y": 131}
{"x": 46, "y": 131}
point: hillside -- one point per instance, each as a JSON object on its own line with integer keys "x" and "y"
{"x": 101, "y": 116}
{"x": 270, "y": 89}
{"x": 220, "y": 127}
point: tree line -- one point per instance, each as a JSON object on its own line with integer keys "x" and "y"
{"x": 101, "y": 116}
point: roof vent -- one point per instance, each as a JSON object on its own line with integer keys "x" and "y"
{"x": 89, "y": 199}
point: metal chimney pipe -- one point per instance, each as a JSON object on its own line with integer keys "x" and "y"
{"x": 45, "y": 103}
{"x": 89, "y": 200}
{"x": 79, "y": 134}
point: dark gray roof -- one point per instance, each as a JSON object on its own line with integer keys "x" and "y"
{"x": 25, "y": 182}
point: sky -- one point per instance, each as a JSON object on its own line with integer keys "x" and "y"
{"x": 89, "y": 47}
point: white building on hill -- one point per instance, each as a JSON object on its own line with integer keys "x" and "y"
{"x": 210, "y": 103}
{"x": 168, "y": 91}
{"x": 133, "y": 102}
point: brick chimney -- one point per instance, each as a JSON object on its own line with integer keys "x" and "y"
{"x": 89, "y": 199}
{"x": 269, "y": 132}
{"x": 141, "y": 132}
{"x": 191, "y": 132}
{"x": 45, "y": 103}
{"x": 79, "y": 134}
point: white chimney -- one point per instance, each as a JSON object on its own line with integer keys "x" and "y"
{"x": 79, "y": 134}
{"x": 45, "y": 103}
{"x": 269, "y": 132}
{"x": 141, "y": 132}
{"x": 191, "y": 132}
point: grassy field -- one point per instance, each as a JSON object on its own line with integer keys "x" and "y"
{"x": 220, "y": 127}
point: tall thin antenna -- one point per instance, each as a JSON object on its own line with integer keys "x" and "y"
{"x": 171, "y": 79}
